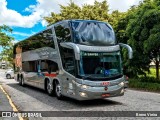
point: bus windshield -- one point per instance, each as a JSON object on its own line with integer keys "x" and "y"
{"x": 93, "y": 33}
{"x": 100, "y": 65}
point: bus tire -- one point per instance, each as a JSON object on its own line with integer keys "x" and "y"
{"x": 49, "y": 89}
{"x": 58, "y": 90}
{"x": 19, "y": 80}
{"x": 22, "y": 82}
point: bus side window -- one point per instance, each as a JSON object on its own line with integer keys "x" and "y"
{"x": 52, "y": 66}
{"x": 31, "y": 66}
{"x": 44, "y": 66}
{"x": 25, "y": 66}
{"x": 69, "y": 65}
{"x": 67, "y": 56}
{"x": 63, "y": 33}
{"x": 48, "y": 66}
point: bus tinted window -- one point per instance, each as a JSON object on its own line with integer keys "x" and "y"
{"x": 93, "y": 33}
{"x": 67, "y": 56}
{"x": 63, "y": 33}
{"x": 43, "y": 39}
{"x": 29, "y": 66}
{"x": 48, "y": 65}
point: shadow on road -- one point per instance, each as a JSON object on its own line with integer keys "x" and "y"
{"x": 69, "y": 103}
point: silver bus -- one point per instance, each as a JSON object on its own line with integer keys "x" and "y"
{"x": 80, "y": 59}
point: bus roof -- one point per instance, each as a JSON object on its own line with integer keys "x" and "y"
{"x": 74, "y": 20}
{"x": 52, "y": 25}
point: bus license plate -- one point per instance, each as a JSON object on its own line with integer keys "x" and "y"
{"x": 105, "y": 95}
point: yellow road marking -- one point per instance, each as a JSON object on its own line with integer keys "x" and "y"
{"x": 11, "y": 102}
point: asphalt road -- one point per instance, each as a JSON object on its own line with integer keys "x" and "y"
{"x": 32, "y": 99}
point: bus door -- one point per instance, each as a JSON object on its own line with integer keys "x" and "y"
{"x": 68, "y": 61}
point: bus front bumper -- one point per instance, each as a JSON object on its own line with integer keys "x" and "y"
{"x": 99, "y": 92}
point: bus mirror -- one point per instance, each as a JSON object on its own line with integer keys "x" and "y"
{"x": 130, "y": 51}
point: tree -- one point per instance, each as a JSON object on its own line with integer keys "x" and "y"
{"x": 114, "y": 19}
{"x": 121, "y": 23}
{"x": 98, "y": 11}
{"x": 152, "y": 44}
{"x": 6, "y": 43}
{"x": 5, "y": 40}
{"x": 7, "y": 54}
{"x": 143, "y": 33}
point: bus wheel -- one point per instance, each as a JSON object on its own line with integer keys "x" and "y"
{"x": 58, "y": 90}
{"x": 22, "y": 82}
{"x": 49, "y": 88}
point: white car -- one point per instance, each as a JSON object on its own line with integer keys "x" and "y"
{"x": 9, "y": 74}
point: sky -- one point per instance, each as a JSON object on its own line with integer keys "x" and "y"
{"x": 25, "y": 17}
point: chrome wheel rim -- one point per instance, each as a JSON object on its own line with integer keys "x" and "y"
{"x": 49, "y": 87}
{"x": 22, "y": 81}
{"x": 58, "y": 89}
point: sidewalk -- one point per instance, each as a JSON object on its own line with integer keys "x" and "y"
{"x": 4, "y": 102}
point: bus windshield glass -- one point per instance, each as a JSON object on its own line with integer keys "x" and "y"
{"x": 93, "y": 33}
{"x": 100, "y": 65}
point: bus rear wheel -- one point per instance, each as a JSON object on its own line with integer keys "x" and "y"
{"x": 49, "y": 88}
{"x": 58, "y": 91}
{"x": 21, "y": 81}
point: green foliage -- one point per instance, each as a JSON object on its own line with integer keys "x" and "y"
{"x": 7, "y": 54}
{"x": 149, "y": 79}
{"x": 98, "y": 11}
{"x": 6, "y": 43}
{"x": 152, "y": 72}
{"x": 122, "y": 23}
{"x": 5, "y": 40}
{"x": 140, "y": 29}
{"x": 145, "y": 83}
{"x": 114, "y": 19}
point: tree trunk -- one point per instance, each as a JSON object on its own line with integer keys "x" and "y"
{"x": 157, "y": 69}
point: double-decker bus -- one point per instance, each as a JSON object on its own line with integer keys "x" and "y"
{"x": 80, "y": 59}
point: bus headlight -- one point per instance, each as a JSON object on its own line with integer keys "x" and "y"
{"x": 85, "y": 86}
{"x": 121, "y": 84}
{"x": 82, "y": 94}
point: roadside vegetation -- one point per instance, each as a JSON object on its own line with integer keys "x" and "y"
{"x": 147, "y": 83}
{"x": 6, "y": 43}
